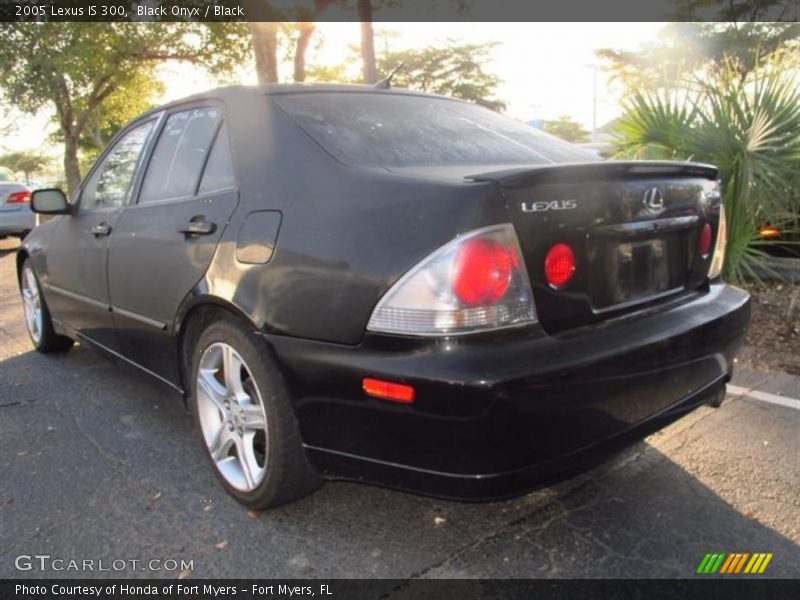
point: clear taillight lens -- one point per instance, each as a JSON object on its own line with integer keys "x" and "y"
{"x": 718, "y": 260}
{"x": 476, "y": 282}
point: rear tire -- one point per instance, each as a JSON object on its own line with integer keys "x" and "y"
{"x": 245, "y": 419}
{"x": 37, "y": 315}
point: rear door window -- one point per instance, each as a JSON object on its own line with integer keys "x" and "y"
{"x": 218, "y": 174}
{"x": 180, "y": 154}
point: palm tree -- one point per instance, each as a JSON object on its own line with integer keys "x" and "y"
{"x": 748, "y": 127}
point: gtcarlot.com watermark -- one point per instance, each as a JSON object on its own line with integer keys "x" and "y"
{"x": 46, "y": 562}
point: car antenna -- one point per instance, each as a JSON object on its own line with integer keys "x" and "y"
{"x": 386, "y": 83}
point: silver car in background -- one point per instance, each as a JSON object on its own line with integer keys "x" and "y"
{"x": 16, "y": 217}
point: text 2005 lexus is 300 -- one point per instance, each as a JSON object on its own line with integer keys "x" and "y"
{"x": 390, "y": 287}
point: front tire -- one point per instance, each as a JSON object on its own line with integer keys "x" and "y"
{"x": 37, "y": 315}
{"x": 246, "y": 422}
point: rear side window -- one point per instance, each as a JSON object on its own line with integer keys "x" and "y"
{"x": 109, "y": 184}
{"x": 397, "y": 130}
{"x": 219, "y": 169}
{"x": 180, "y": 154}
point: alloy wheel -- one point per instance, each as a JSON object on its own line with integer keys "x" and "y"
{"x": 32, "y": 304}
{"x": 232, "y": 417}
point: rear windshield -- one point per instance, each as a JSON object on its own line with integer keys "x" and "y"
{"x": 395, "y": 130}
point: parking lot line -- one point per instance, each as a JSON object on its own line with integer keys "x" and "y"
{"x": 735, "y": 390}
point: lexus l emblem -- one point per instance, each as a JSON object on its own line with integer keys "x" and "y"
{"x": 654, "y": 201}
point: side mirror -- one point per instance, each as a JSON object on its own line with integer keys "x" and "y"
{"x": 50, "y": 202}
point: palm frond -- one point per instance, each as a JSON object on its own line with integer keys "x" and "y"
{"x": 748, "y": 127}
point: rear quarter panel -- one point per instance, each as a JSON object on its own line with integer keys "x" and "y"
{"x": 346, "y": 233}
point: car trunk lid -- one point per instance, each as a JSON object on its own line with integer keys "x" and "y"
{"x": 634, "y": 229}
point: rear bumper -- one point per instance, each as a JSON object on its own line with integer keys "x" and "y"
{"x": 14, "y": 222}
{"x": 496, "y": 415}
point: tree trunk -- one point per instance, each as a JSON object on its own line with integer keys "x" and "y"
{"x": 72, "y": 167}
{"x": 265, "y": 46}
{"x": 303, "y": 40}
{"x": 97, "y": 135}
{"x": 369, "y": 67}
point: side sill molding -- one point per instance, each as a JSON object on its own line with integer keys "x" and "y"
{"x": 140, "y": 318}
{"x": 103, "y": 306}
{"x": 130, "y": 362}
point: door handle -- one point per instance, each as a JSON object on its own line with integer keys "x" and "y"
{"x": 198, "y": 227}
{"x": 101, "y": 230}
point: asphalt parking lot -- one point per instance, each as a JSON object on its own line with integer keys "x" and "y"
{"x": 97, "y": 463}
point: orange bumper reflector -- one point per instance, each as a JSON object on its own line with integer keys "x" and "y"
{"x": 768, "y": 233}
{"x": 386, "y": 390}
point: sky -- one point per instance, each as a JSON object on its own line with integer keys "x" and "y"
{"x": 546, "y": 68}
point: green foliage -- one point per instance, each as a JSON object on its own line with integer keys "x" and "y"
{"x": 742, "y": 10}
{"x": 130, "y": 99}
{"x": 567, "y": 129}
{"x": 749, "y": 128}
{"x": 457, "y": 70}
{"x": 339, "y": 73}
{"x": 74, "y": 58}
{"x": 6, "y": 174}
{"x": 692, "y": 48}
{"x": 26, "y": 163}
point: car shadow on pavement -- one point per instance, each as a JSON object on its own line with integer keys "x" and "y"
{"x": 97, "y": 463}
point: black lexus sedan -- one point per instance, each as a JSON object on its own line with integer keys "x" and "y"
{"x": 391, "y": 287}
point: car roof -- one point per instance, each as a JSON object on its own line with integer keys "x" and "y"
{"x": 231, "y": 93}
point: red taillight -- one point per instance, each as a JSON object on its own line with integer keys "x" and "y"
{"x": 704, "y": 241}
{"x": 18, "y": 198}
{"x": 482, "y": 272}
{"x": 475, "y": 282}
{"x": 386, "y": 390}
{"x": 559, "y": 265}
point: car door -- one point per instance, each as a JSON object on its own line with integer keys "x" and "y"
{"x": 77, "y": 250}
{"x": 165, "y": 240}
